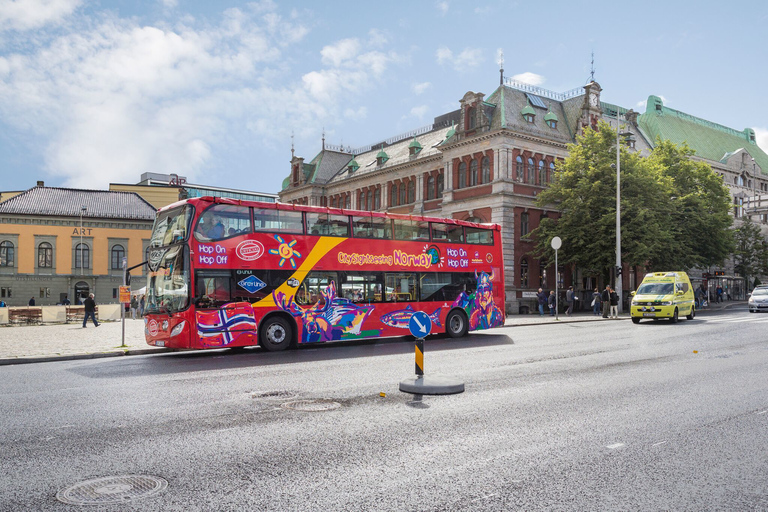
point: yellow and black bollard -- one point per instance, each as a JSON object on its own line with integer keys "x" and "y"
{"x": 420, "y": 356}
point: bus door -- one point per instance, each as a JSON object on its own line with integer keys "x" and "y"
{"x": 220, "y": 315}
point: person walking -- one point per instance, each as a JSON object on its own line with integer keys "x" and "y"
{"x": 32, "y": 301}
{"x": 596, "y": 302}
{"x": 90, "y": 310}
{"x": 552, "y": 303}
{"x": 605, "y": 300}
{"x": 141, "y": 307}
{"x": 542, "y": 296}
{"x": 134, "y": 306}
{"x": 569, "y": 298}
{"x": 614, "y": 304}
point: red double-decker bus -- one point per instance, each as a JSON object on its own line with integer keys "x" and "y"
{"x": 229, "y": 273}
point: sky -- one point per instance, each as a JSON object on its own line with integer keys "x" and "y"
{"x": 94, "y": 92}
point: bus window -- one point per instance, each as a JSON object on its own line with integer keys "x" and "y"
{"x": 212, "y": 288}
{"x": 362, "y": 287}
{"x": 479, "y": 236}
{"x": 447, "y": 232}
{"x": 277, "y": 221}
{"x": 323, "y": 224}
{"x": 411, "y": 230}
{"x": 446, "y": 286}
{"x": 314, "y": 285}
{"x": 223, "y": 221}
{"x": 401, "y": 286}
{"x": 372, "y": 227}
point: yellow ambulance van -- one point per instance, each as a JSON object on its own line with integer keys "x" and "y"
{"x": 663, "y": 295}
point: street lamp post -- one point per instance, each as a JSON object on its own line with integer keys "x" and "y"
{"x": 619, "y": 286}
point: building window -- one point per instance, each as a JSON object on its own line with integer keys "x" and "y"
{"x": 551, "y": 171}
{"x": 524, "y": 273}
{"x": 431, "y": 187}
{"x": 6, "y": 253}
{"x": 738, "y": 210}
{"x": 531, "y": 172}
{"x": 524, "y": 224}
{"x": 412, "y": 191}
{"x": 440, "y": 184}
{"x": 45, "y": 255}
{"x": 82, "y": 256}
{"x": 403, "y": 193}
{"x": 552, "y": 123}
{"x": 348, "y": 201}
{"x": 486, "y": 169}
{"x": 393, "y": 195}
{"x": 370, "y": 200}
{"x": 5, "y": 292}
{"x": 118, "y": 253}
{"x": 519, "y": 168}
{"x": 361, "y": 201}
{"x": 471, "y": 116}
{"x": 462, "y": 175}
{"x": 377, "y": 199}
{"x": 473, "y": 173}
{"x": 542, "y": 173}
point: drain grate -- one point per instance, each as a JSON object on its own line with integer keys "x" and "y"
{"x": 112, "y": 489}
{"x": 316, "y": 405}
{"x": 274, "y": 395}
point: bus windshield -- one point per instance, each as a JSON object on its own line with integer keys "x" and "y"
{"x": 168, "y": 285}
{"x": 171, "y": 226}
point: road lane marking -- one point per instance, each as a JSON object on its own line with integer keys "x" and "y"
{"x": 762, "y": 412}
{"x": 484, "y": 497}
{"x": 614, "y": 446}
{"x": 657, "y": 444}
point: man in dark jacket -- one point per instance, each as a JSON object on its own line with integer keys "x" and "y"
{"x": 605, "y": 298}
{"x": 542, "y": 296}
{"x": 90, "y": 310}
{"x": 552, "y": 303}
{"x": 32, "y": 301}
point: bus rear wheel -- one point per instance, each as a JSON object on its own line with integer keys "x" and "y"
{"x": 275, "y": 334}
{"x": 456, "y": 324}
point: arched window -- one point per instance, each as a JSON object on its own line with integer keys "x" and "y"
{"x": 519, "y": 168}
{"x": 118, "y": 252}
{"x": 6, "y": 253}
{"x": 377, "y": 199}
{"x": 485, "y": 167}
{"x": 551, "y": 171}
{"x": 45, "y": 255}
{"x": 531, "y": 172}
{"x": 393, "y": 195}
{"x": 524, "y": 273}
{"x": 370, "y": 200}
{"x": 348, "y": 201}
{"x": 542, "y": 173}
{"x": 440, "y": 184}
{"x": 524, "y": 224}
{"x": 462, "y": 175}
{"x": 471, "y": 116}
{"x": 431, "y": 187}
{"x": 82, "y": 256}
{"x": 473, "y": 173}
{"x": 403, "y": 192}
{"x": 412, "y": 191}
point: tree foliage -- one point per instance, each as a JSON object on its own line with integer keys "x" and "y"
{"x": 751, "y": 253}
{"x": 674, "y": 211}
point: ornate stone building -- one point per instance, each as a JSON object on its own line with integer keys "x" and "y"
{"x": 488, "y": 160}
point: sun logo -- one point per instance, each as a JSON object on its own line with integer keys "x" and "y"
{"x": 286, "y": 251}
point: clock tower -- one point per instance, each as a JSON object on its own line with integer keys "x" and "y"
{"x": 590, "y": 110}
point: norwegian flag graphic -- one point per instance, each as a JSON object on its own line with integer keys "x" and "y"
{"x": 220, "y": 327}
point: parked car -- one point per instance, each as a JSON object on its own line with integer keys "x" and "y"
{"x": 758, "y": 299}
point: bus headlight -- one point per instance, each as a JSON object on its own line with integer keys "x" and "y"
{"x": 179, "y": 327}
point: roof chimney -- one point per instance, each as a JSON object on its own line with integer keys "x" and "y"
{"x": 40, "y": 183}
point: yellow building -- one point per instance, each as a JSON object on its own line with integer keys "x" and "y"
{"x": 58, "y": 243}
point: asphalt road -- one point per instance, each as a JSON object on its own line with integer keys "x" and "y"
{"x": 584, "y": 416}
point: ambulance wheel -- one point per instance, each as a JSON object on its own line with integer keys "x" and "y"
{"x": 692, "y": 315}
{"x": 635, "y": 320}
{"x": 674, "y": 317}
{"x": 275, "y": 334}
{"x": 456, "y": 324}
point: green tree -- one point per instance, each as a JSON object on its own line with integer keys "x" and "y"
{"x": 751, "y": 253}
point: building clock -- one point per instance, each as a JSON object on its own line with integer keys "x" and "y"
{"x": 593, "y": 99}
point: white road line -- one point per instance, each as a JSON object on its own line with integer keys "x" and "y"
{"x": 762, "y": 412}
{"x": 657, "y": 444}
{"x": 483, "y": 497}
{"x": 614, "y": 446}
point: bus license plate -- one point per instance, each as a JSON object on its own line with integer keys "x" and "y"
{"x": 649, "y": 314}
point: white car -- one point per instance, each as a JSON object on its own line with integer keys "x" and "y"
{"x": 758, "y": 300}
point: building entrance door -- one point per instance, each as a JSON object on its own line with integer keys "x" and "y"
{"x": 81, "y": 292}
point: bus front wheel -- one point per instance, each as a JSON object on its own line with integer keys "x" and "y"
{"x": 456, "y": 324}
{"x": 275, "y": 334}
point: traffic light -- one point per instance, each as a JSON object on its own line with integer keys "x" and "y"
{"x": 618, "y": 270}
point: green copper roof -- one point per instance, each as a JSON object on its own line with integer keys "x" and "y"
{"x": 551, "y": 116}
{"x": 353, "y": 165}
{"x": 710, "y": 140}
{"x": 528, "y": 110}
{"x": 414, "y": 144}
{"x": 381, "y": 154}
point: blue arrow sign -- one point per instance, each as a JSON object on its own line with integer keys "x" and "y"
{"x": 252, "y": 284}
{"x": 420, "y": 324}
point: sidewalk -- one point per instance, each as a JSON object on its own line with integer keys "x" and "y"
{"x": 40, "y": 343}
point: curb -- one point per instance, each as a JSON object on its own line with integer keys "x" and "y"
{"x": 97, "y": 355}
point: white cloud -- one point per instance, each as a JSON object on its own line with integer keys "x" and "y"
{"x": 32, "y": 14}
{"x": 421, "y": 88}
{"x": 444, "y": 55}
{"x": 761, "y": 134}
{"x": 344, "y": 50}
{"x": 468, "y": 58}
{"x": 377, "y": 38}
{"x": 358, "y": 114}
{"x": 529, "y": 78}
{"x": 442, "y": 7}
{"x": 170, "y": 4}
{"x": 419, "y": 112}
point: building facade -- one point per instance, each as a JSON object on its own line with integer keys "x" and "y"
{"x": 57, "y": 242}
{"x": 489, "y": 160}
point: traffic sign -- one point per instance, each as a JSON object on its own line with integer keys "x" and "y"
{"x": 420, "y": 324}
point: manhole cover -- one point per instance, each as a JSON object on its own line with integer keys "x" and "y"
{"x": 112, "y": 489}
{"x": 273, "y": 395}
{"x": 316, "y": 405}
